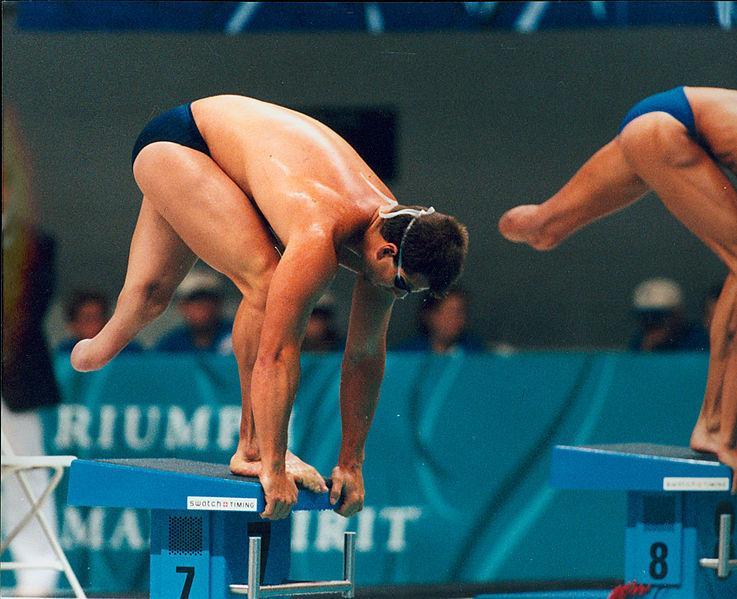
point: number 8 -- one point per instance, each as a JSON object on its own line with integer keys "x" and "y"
{"x": 658, "y": 567}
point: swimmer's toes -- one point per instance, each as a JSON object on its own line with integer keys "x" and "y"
{"x": 311, "y": 479}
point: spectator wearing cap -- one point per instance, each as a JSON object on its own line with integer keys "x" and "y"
{"x": 85, "y": 313}
{"x": 200, "y": 302}
{"x": 443, "y": 326}
{"x": 321, "y": 335}
{"x": 662, "y": 326}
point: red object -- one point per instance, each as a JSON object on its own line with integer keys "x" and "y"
{"x": 630, "y": 589}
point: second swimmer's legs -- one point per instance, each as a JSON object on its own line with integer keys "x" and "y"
{"x": 711, "y": 433}
{"x": 697, "y": 192}
{"x": 655, "y": 151}
{"x": 604, "y": 184}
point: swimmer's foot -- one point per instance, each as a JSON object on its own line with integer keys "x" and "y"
{"x": 305, "y": 474}
{"x": 704, "y": 441}
{"x": 302, "y": 472}
{"x": 527, "y": 224}
{"x": 242, "y": 467}
{"x": 87, "y": 355}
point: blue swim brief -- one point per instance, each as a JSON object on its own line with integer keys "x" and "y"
{"x": 176, "y": 125}
{"x": 674, "y": 102}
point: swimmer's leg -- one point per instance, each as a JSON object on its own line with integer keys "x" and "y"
{"x": 247, "y": 460}
{"x": 716, "y": 428}
{"x": 605, "y": 184}
{"x": 697, "y": 193}
{"x": 158, "y": 261}
{"x": 218, "y": 222}
{"x": 686, "y": 179}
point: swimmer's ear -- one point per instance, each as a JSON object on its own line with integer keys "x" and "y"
{"x": 386, "y": 249}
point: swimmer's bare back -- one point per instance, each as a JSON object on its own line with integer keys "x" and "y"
{"x": 715, "y": 117}
{"x": 295, "y": 169}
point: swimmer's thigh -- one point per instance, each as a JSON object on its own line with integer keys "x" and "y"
{"x": 208, "y": 211}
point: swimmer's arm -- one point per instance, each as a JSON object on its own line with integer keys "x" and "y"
{"x": 363, "y": 368}
{"x": 304, "y": 271}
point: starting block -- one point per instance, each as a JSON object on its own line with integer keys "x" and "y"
{"x": 207, "y": 538}
{"x": 680, "y": 514}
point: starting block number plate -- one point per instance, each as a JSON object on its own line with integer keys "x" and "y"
{"x": 654, "y": 539}
{"x": 686, "y": 483}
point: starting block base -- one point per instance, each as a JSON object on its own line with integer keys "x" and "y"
{"x": 202, "y": 554}
{"x": 680, "y": 514}
{"x": 202, "y": 520}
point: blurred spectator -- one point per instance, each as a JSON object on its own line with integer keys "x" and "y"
{"x": 442, "y": 322}
{"x": 662, "y": 326}
{"x": 200, "y": 302}
{"x": 321, "y": 334}
{"x": 712, "y": 295}
{"x": 86, "y": 313}
{"x": 28, "y": 381}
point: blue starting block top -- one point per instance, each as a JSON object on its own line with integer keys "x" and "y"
{"x": 172, "y": 484}
{"x": 637, "y": 467}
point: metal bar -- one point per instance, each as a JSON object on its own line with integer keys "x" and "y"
{"x": 722, "y": 564}
{"x": 713, "y": 563}
{"x": 48, "y": 531}
{"x": 254, "y": 568}
{"x": 295, "y": 588}
{"x": 725, "y": 523}
{"x": 35, "y": 504}
{"x": 254, "y": 590}
{"x": 349, "y": 563}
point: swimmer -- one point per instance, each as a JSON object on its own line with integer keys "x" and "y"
{"x": 276, "y": 201}
{"x": 676, "y": 144}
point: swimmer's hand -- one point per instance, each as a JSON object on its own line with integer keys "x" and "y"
{"x": 280, "y": 492}
{"x": 348, "y": 484}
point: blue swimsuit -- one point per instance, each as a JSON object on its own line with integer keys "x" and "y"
{"x": 674, "y": 102}
{"x": 175, "y": 125}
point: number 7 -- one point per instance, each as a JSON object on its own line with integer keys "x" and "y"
{"x": 189, "y": 571}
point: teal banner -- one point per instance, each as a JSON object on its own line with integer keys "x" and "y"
{"x": 456, "y": 468}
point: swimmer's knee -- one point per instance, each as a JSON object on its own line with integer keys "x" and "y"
{"x": 658, "y": 137}
{"x": 163, "y": 157}
{"x": 148, "y": 159}
{"x": 254, "y": 281}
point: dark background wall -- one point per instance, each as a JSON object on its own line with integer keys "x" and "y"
{"x": 485, "y": 121}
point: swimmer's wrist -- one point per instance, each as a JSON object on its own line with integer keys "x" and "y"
{"x": 274, "y": 467}
{"x": 350, "y": 462}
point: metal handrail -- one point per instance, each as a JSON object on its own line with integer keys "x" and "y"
{"x": 254, "y": 590}
{"x": 722, "y": 564}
